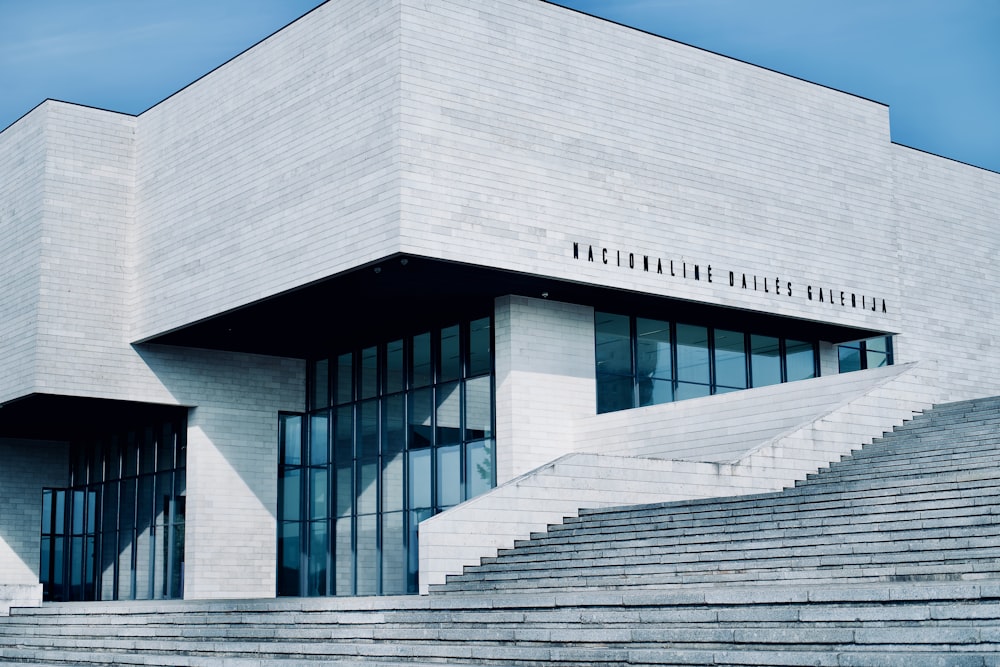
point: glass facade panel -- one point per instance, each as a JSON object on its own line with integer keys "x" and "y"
{"x": 615, "y": 392}
{"x": 730, "y": 359}
{"x": 765, "y": 360}
{"x": 449, "y": 410}
{"x": 692, "y": 354}
{"x": 290, "y": 433}
{"x": 613, "y": 344}
{"x": 369, "y": 372}
{"x": 674, "y": 361}
{"x": 478, "y": 408}
{"x": 870, "y": 353}
{"x": 319, "y": 444}
{"x": 319, "y": 397}
{"x": 395, "y": 371}
{"x": 412, "y": 437}
{"x": 449, "y": 476}
{"x": 479, "y": 474}
{"x": 450, "y": 366}
{"x": 344, "y": 379}
{"x": 800, "y": 360}
{"x": 109, "y": 536}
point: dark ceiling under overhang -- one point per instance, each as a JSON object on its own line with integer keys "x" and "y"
{"x": 402, "y": 294}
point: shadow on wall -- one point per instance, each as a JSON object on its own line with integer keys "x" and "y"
{"x": 28, "y": 466}
{"x": 233, "y": 421}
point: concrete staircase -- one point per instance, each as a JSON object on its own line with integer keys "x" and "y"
{"x": 889, "y": 557}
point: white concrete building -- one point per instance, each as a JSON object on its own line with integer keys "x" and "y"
{"x": 395, "y": 287}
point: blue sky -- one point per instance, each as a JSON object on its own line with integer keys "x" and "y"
{"x": 935, "y": 62}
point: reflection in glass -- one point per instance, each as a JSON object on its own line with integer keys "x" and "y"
{"x": 653, "y": 351}
{"x": 369, "y": 372}
{"x": 449, "y": 358}
{"x": 421, "y": 409}
{"x": 692, "y": 354}
{"x": 730, "y": 359}
{"x": 395, "y": 377}
{"x": 613, "y": 344}
{"x": 420, "y": 361}
{"x": 367, "y": 555}
{"x": 765, "y": 360}
{"x": 448, "y": 413}
{"x": 420, "y": 478}
{"x": 478, "y": 408}
{"x": 614, "y": 392}
{"x": 449, "y": 475}
{"x": 319, "y": 446}
{"x": 320, "y": 394}
{"x": 480, "y": 347}
{"x": 318, "y": 540}
{"x": 800, "y": 360}
{"x": 478, "y": 468}
{"x": 344, "y": 378}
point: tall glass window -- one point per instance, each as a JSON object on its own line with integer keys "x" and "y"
{"x": 406, "y": 431}
{"x": 643, "y": 361}
{"x": 870, "y": 353}
{"x": 117, "y": 532}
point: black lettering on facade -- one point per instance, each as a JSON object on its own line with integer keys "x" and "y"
{"x": 697, "y": 272}
{"x": 631, "y": 260}
{"x": 821, "y": 295}
{"x": 732, "y": 279}
{"x": 672, "y": 268}
{"x": 854, "y": 301}
{"x": 645, "y": 262}
{"x": 744, "y": 281}
{"x": 659, "y": 267}
{"x": 590, "y": 254}
{"x": 604, "y": 255}
{"x": 883, "y": 306}
{"x": 788, "y": 288}
{"x": 842, "y": 299}
{"x": 709, "y": 273}
{"x": 809, "y": 292}
{"x": 576, "y": 250}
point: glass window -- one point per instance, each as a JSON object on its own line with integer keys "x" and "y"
{"x": 849, "y": 358}
{"x": 343, "y": 434}
{"x": 765, "y": 360}
{"x": 289, "y": 489}
{"x": 290, "y": 436}
{"x": 478, "y": 408}
{"x": 478, "y": 468}
{"x": 614, "y": 392}
{"x": 480, "y": 347}
{"x": 800, "y": 360}
{"x": 420, "y": 361}
{"x": 654, "y": 356}
{"x": 367, "y": 429}
{"x": 319, "y": 438}
{"x": 674, "y": 361}
{"x": 369, "y": 372}
{"x": 395, "y": 372}
{"x": 692, "y": 354}
{"x": 613, "y": 344}
{"x": 448, "y": 413}
{"x": 449, "y": 358}
{"x": 410, "y": 432}
{"x": 421, "y": 410}
{"x": 420, "y": 478}
{"x": 730, "y": 359}
{"x": 449, "y": 476}
{"x": 320, "y": 394}
{"x": 870, "y": 353}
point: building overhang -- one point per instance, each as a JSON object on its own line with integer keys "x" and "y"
{"x": 402, "y": 293}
